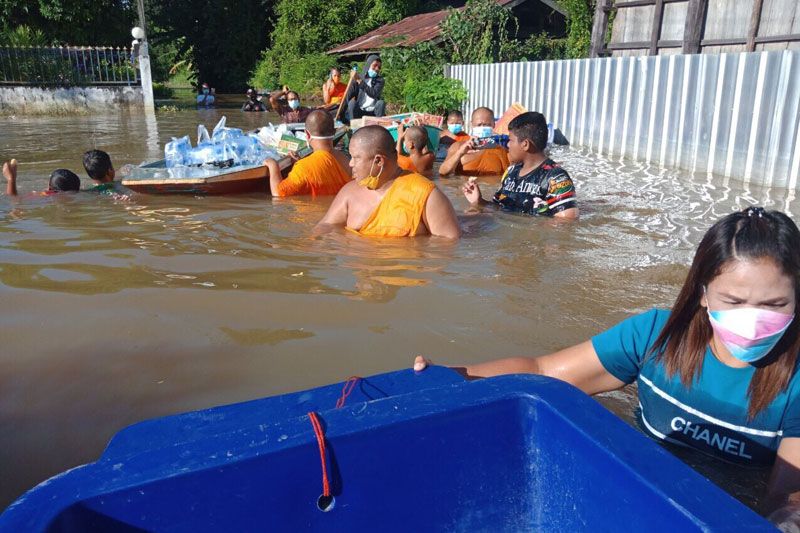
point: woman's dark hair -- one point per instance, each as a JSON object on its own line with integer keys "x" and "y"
{"x": 750, "y": 234}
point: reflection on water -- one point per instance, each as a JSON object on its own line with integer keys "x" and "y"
{"x": 116, "y": 310}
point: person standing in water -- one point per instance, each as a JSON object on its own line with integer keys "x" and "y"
{"x": 206, "y": 98}
{"x": 253, "y": 102}
{"x": 719, "y": 371}
{"x": 324, "y": 172}
{"x": 534, "y": 184}
{"x": 287, "y": 104}
{"x": 385, "y": 201}
{"x": 468, "y": 158}
{"x": 365, "y": 97}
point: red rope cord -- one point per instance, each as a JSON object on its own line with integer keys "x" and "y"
{"x": 326, "y": 488}
{"x": 348, "y": 387}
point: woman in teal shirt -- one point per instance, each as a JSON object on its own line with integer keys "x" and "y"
{"x": 717, "y": 372}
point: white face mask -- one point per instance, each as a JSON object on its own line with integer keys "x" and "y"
{"x": 482, "y": 132}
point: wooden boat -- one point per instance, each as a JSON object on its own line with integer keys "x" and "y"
{"x": 154, "y": 178}
{"x": 394, "y": 452}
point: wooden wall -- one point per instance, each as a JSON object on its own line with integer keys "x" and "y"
{"x": 650, "y": 27}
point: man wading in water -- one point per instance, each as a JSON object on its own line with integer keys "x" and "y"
{"x": 384, "y": 200}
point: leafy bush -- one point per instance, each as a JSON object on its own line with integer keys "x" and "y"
{"x": 302, "y": 74}
{"x": 480, "y": 32}
{"x": 23, "y": 36}
{"x": 579, "y": 27}
{"x": 434, "y": 94}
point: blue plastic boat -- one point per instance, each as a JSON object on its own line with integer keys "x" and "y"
{"x": 407, "y": 452}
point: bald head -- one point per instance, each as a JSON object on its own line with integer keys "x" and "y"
{"x": 418, "y": 136}
{"x": 320, "y": 124}
{"x": 375, "y": 140}
{"x": 482, "y": 116}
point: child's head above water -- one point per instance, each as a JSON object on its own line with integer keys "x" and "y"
{"x": 98, "y": 165}
{"x": 63, "y": 180}
{"x": 415, "y": 139}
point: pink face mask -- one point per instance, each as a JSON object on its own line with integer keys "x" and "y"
{"x": 749, "y": 333}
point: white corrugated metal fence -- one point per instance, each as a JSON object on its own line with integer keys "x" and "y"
{"x": 736, "y": 115}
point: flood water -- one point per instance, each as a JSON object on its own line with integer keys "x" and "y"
{"x": 115, "y": 310}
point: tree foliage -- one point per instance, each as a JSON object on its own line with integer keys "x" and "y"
{"x": 305, "y": 29}
{"x": 481, "y": 32}
{"x": 222, "y": 38}
{"x": 74, "y": 22}
{"x": 580, "y": 14}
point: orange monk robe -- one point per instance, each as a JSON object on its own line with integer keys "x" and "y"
{"x": 461, "y": 136}
{"x": 317, "y": 174}
{"x": 489, "y": 162}
{"x": 400, "y": 212}
{"x": 338, "y": 92}
{"x": 406, "y": 163}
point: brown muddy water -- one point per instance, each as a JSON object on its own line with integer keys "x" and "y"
{"x": 114, "y": 310}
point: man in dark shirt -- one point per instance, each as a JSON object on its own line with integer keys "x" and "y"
{"x": 365, "y": 97}
{"x": 253, "y": 102}
{"x": 534, "y": 184}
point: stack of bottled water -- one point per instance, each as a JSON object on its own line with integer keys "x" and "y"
{"x": 225, "y": 147}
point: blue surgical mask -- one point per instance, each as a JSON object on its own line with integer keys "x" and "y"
{"x": 371, "y": 73}
{"x": 455, "y": 129}
{"x": 482, "y": 132}
{"x": 294, "y": 104}
{"x": 205, "y": 91}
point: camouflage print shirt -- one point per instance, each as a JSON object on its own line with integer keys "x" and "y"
{"x": 546, "y": 190}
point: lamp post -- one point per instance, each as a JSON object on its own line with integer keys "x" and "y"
{"x": 140, "y": 40}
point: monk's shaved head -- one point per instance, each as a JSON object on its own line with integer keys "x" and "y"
{"x": 418, "y": 136}
{"x": 483, "y": 116}
{"x": 375, "y": 140}
{"x": 320, "y": 124}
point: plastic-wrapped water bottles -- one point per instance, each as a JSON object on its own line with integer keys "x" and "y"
{"x": 223, "y": 148}
{"x": 202, "y": 135}
{"x": 175, "y": 151}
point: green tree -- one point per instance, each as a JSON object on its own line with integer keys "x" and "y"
{"x": 74, "y": 22}
{"x": 305, "y": 29}
{"x": 221, "y": 38}
{"x": 482, "y": 32}
{"x": 580, "y": 14}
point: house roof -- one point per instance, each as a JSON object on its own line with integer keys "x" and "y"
{"x": 407, "y": 32}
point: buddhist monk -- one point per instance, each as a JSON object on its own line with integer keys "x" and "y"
{"x": 455, "y": 128}
{"x": 323, "y": 172}
{"x": 414, "y": 141}
{"x": 333, "y": 90}
{"x": 383, "y": 200}
{"x": 464, "y": 157}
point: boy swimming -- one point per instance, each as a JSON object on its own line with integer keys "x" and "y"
{"x": 61, "y": 180}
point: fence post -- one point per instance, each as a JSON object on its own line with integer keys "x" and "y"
{"x": 145, "y": 75}
{"x": 599, "y": 27}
